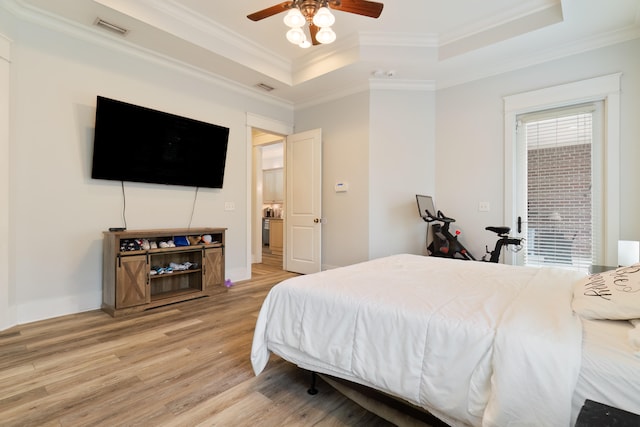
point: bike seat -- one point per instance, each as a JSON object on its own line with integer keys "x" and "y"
{"x": 499, "y": 230}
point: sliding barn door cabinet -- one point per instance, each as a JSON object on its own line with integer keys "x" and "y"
{"x": 143, "y": 269}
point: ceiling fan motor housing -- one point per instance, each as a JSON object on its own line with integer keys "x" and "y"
{"x": 310, "y": 7}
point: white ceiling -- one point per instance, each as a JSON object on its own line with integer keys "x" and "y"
{"x": 414, "y": 43}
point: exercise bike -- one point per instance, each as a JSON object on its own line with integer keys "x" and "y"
{"x": 504, "y": 240}
{"x": 445, "y": 244}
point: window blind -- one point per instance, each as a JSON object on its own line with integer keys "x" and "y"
{"x": 560, "y": 199}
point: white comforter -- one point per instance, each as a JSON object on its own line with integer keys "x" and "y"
{"x": 474, "y": 343}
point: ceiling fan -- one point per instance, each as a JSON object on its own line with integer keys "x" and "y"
{"x": 317, "y": 15}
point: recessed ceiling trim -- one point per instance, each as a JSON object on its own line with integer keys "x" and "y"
{"x": 398, "y": 39}
{"x": 517, "y": 11}
{"x": 187, "y": 25}
{"x": 85, "y": 32}
{"x": 506, "y": 30}
{"x": 341, "y": 55}
{"x": 401, "y": 84}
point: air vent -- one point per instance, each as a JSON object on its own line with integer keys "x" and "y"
{"x": 265, "y": 87}
{"x": 111, "y": 27}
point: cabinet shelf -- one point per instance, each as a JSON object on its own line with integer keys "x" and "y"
{"x": 190, "y": 248}
{"x": 174, "y": 273}
{"x": 128, "y": 285}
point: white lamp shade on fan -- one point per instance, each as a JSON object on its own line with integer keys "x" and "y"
{"x": 326, "y": 35}
{"x": 294, "y": 18}
{"x": 296, "y": 36}
{"x": 324, "y": 18}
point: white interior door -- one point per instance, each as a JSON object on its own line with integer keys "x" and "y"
{"x": 303, "y": 226}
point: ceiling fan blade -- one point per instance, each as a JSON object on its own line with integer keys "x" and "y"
{"x": 270, "y": 11}
{"x": 313, "y": 30}
{"x": 371, "y": 9}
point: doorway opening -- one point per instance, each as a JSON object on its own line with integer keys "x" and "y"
{"x": 268, "y": 198}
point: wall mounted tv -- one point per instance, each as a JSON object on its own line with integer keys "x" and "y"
{"x": 133, "y": 143}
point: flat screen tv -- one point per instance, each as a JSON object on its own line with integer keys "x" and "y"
{"x": 138, "y": 144}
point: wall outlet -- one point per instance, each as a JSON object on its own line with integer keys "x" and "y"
{"x": 484, "y": 207}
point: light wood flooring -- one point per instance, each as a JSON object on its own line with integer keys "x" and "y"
{"x": 182, "y": 365}
{"x": 270, "y": 258}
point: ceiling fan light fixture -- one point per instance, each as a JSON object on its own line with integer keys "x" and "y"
{"x": 305, "y": 44}
{"x": 317, "y": 15}
{"x": 326, "y": 35}
{"x": 294, "y": 18}
{"x": 296, "y": 36}
{"x": 324, "y": 17}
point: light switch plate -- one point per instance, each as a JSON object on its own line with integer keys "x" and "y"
{"x": 341, "y": 187}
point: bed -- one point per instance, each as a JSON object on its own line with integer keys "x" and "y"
{"x": 472, "y": 343}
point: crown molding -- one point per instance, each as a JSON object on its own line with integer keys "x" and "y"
{"x": 376, "y": 39}
{"x": 175, "y": 19}
{"x": 331, "y": 58}
{"x": 5, "y": 48}
{"x": 520, "y": 12}
{"x": 118, "y": 44}
{"x": 332, "y": 96}
{"x": 533, "y": 58}
{"x": 506, "y": 28}
{"x": 401, "y": 84}
{"x": 365, "y": 46}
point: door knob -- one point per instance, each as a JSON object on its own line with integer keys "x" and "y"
{"x": 316, "y": 220}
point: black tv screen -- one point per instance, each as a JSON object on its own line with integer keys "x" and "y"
{"x": 133, "y": 143}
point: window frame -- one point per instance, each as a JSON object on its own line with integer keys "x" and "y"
{"x": 604, "y": 88}
{"x": 545, "y": 125}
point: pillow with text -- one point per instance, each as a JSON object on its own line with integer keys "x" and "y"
{"x": 611, "y": 295}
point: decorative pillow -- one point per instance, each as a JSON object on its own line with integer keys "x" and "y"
{"x": 611, "y": 295}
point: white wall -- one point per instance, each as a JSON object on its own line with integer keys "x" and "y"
{"x": 382, "y": 145}
{"x": 470, "y": 141}
{"x": 56, "y": 211}
{"x": 345, "y": 158}
{"x": 401, "y": 165}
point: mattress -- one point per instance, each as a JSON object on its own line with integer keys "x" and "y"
{"x": 473, "y": 343}
{"x": 610, "y": 369}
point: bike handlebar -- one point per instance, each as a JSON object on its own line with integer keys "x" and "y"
{"x": 439, "y": 217}
{"x": 444, "y": 218}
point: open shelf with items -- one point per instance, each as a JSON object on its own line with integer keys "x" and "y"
{"x": 149, "y": 268}
{"x": 165, "y": 283}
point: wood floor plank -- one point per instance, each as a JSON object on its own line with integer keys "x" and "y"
{"x": 185, "y": 364}
{"x": 48, "y": 378}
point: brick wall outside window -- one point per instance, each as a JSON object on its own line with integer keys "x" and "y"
{"x": 559, "y": 204}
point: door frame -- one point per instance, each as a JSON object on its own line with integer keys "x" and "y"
{"x": 254, "y": 210}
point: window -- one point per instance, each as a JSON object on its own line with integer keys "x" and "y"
{"x": 605, "y": 89}
{"x": 559, "y": 170}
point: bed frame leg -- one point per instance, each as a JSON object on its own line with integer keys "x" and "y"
{"x": 313, "y": 390}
